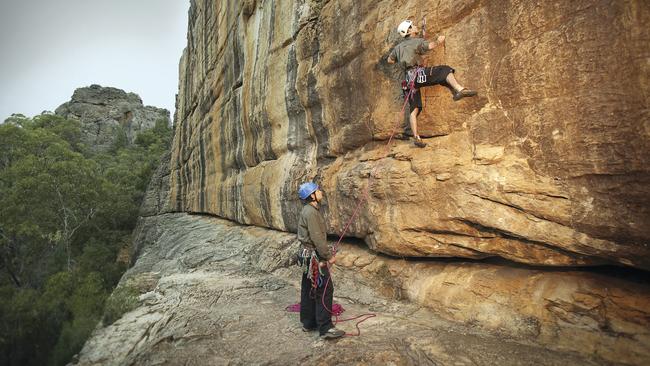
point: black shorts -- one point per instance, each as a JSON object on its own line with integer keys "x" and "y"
{"x": 428, "y": 76}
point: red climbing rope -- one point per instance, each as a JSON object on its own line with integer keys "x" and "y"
{"x": 411, "y": 89}
{"x": 336, "y": 312}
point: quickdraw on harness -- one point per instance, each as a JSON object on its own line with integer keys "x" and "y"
{"x": 408, "y": 84}
{"x": 309, "y": 259}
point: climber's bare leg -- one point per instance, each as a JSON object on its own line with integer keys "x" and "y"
{"x": 451, "y": 80}
{"x": 413, "y": 119}
{"x": 459, "y": 91}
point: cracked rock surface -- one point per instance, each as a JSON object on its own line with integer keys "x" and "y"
{"x": 214, "y": 293}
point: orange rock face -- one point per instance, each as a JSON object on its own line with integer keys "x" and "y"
{"x": 573, "y": 310}
{"x": 548, "y": 165}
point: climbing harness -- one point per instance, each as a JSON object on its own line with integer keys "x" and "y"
{"x": 309, "y": 259}
{"x": 315, "y": 273}
{"x": 415, "y": 73}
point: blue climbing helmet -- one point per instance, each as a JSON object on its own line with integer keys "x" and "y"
{"x": 306, "y": 189}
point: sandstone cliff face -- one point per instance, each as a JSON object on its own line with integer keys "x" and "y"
{"x": 102, "y": 111}
{"x": 547, "y": 166}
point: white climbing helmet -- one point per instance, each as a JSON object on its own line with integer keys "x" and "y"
{"x": 403, "y": 27}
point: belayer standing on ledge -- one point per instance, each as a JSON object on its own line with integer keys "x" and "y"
{"x": 317, "y": 289}
{"x": 407, "y": 55}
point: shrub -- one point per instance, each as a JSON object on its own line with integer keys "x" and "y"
{"x": 123, "y": 300}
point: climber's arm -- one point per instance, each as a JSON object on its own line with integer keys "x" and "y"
{"x": 392, "y": 57}
{"x": 439, "y": 41}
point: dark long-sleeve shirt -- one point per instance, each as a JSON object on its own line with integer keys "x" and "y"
{"x": 311, "y": 231}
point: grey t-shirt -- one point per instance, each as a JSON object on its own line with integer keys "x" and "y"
{"x": 408, "y": 52}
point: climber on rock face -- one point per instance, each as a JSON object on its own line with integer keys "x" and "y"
{"x": 407, "y": 55}
{"x": 317, "y": 289}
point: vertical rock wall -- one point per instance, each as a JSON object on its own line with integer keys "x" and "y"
{"x": 547, "y": 166}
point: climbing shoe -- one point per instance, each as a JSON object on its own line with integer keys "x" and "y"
{"x": 419, "y": 143}
{"x": 464, "y": 93}
{"x": 333, "y": 333}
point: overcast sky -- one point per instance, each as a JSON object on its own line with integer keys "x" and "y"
{"x": 51, "y": 47}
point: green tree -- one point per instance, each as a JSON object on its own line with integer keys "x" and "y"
{"x": 46, "y": 195}
{"x": 65, "y": 214}
{"x": 85, "y": 306}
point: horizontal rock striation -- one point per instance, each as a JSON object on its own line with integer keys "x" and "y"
{"x": 106, "y": 113}
{"x": 596, "y": 314}
{"x": 547, "y": 166}
{"x": 214, "y": 292}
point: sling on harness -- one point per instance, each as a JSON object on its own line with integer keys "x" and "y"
{"x": 309, "y": 259}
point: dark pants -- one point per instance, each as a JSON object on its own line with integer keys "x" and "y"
{"x": 428, "y": 76}
{"x": 313, "y": 315}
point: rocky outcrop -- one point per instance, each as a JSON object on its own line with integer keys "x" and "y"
{"x": 594, "y": 314}
{"x": 105, "y": 113}
{"x": 214, "y": 292}
{"x": 156, "y": 200}
{"x": 547, "y": 166}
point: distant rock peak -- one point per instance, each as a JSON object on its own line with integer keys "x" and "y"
{"x": 105, "y": 111}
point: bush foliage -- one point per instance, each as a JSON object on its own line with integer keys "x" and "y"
{"x": 121, "y": 301}
{"x": 65, "y": 213}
